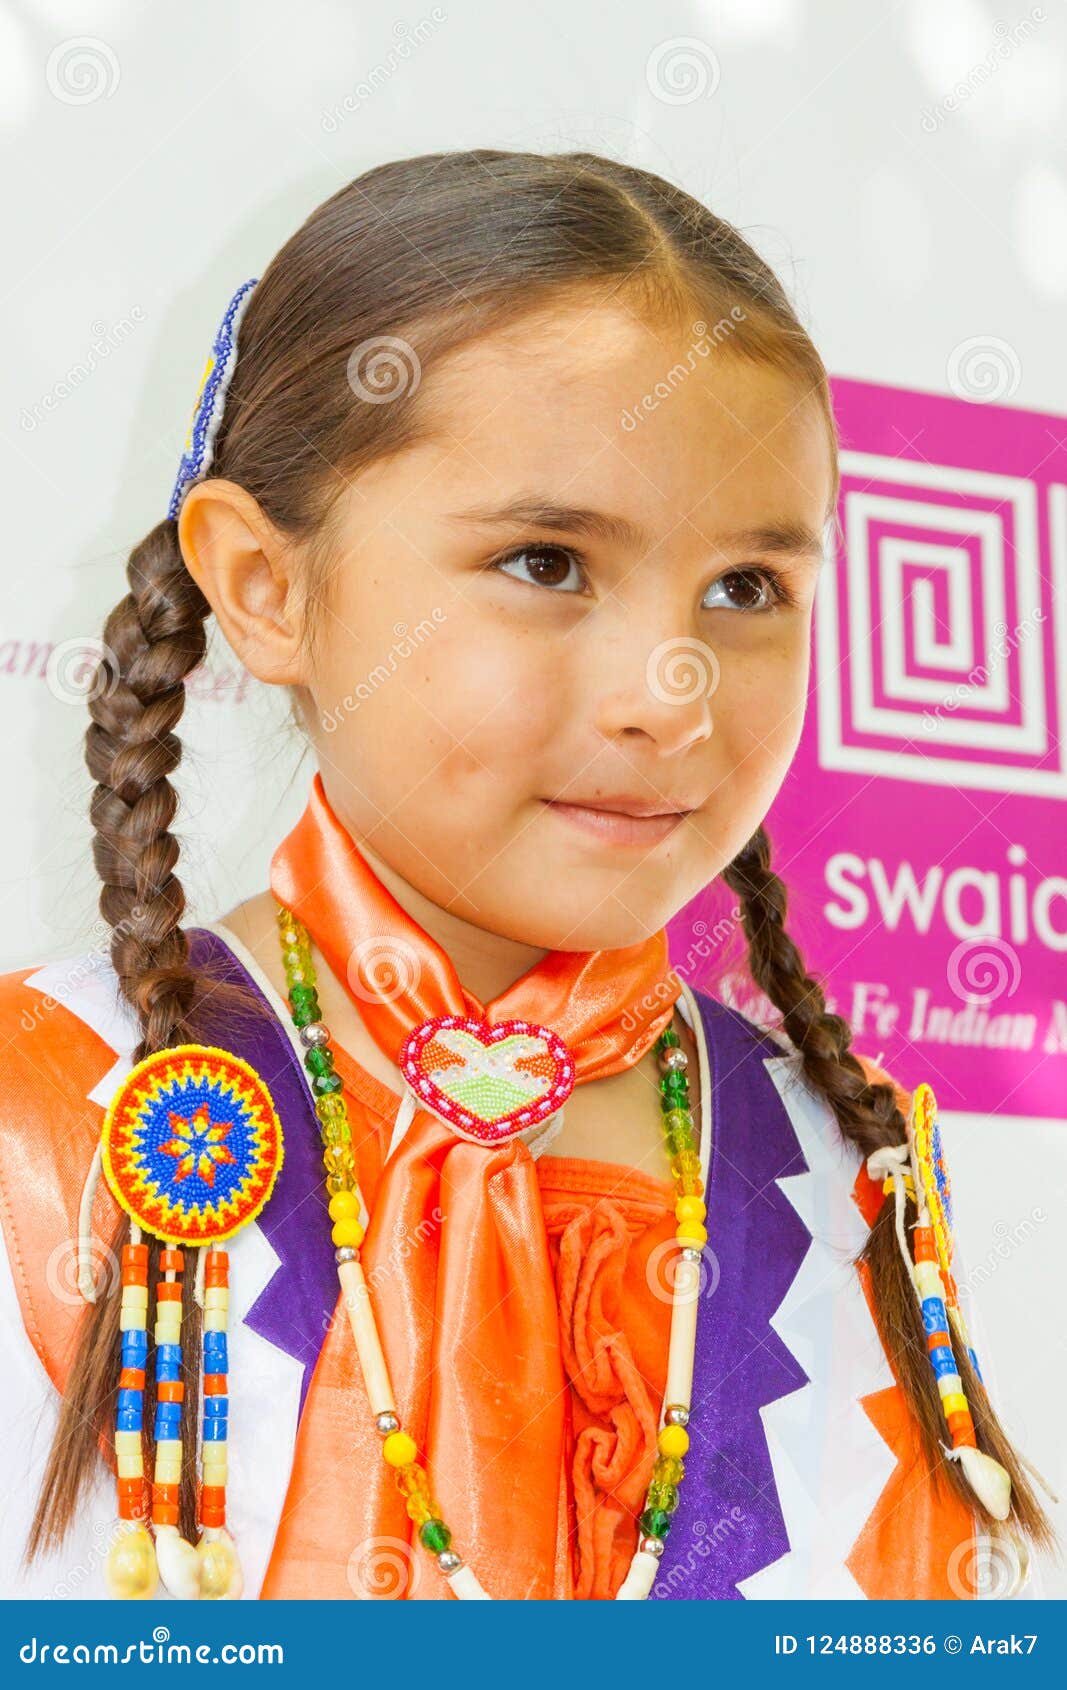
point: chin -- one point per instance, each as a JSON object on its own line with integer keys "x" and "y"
{"x": 596, "y": 924}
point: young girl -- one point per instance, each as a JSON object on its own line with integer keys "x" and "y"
{"x": 541, "y": 1275}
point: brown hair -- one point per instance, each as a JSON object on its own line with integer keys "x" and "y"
{"x": 431, "y": 253}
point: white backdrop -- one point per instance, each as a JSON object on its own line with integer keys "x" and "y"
{"x": 158, "y": 155}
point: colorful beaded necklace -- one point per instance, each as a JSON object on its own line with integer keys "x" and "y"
{"x": 346, "y": 1205}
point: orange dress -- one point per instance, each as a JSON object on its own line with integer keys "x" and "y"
{"x": 609, "y": 1229}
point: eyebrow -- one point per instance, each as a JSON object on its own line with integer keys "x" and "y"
{"x": 785, "y": 537}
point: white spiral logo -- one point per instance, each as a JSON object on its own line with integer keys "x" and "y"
{"x": 681, "y": 671}
{"x": 82, "y": 70}
{"x": 986, "y": 1566}
{"x": 383, "y": 1568}
{"x": 161, "y": 1634}
{"x": 382, "y": 969}
{"x": 81, "y": 669}
{"x": 983, "y": 969}
{"x": 682, "y": 70}
{"x": 984, "y": 369}
{"x": 61, "y": 1271}
{"x": 671, "y": 1279}
{"x": 382, "y": 369}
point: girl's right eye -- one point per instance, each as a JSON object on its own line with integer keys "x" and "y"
{"x": 544, "y": 566}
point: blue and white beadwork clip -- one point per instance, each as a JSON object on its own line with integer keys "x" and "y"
{"x": 210, "y": 399}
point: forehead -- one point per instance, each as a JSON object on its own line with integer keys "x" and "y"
{"x": 656, "y": 422}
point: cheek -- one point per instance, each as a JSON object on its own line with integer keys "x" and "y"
{"x": 459, "y": 717}
{"x": 759, "y": 715}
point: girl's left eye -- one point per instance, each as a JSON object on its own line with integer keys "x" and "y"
{"x": 753, "y": 582}
{"x": 544, "y": 566}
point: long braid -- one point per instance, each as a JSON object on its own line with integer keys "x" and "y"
{"x": 153, "y": 639}
{"x": 869, "y": 1116}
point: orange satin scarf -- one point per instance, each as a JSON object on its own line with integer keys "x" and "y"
{"x": 456, "y": 1253}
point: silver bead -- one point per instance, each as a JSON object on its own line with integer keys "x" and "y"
{"x": 674, "y": 1060}
{"x": 345, "y": 1253}
{"x": 676, "y": 1415}
{"x": 690, "y": 1253}
{"x": 449, "y": 1561}
{"x": 314, "y": 1034}
{"x": 387, "y": 1423}
{"x": 651, "y": 1545}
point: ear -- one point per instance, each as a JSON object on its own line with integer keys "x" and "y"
{"x": 247, "y": 572}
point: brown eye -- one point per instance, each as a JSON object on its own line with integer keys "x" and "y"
{"x": 752, "y": 590}
{"x": 544, "y": 566}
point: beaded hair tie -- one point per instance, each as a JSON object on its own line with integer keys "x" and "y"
{"x": 917, "y": 1169}
{"x": 190, "y": 1146}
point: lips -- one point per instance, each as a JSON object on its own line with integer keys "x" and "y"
{"x": 620, "y": 821}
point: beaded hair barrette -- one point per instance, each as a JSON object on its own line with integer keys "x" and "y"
{"x": 210, "y": 399}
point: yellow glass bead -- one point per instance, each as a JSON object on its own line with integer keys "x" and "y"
{"x": 335, "y": 1158}
{"x": 412, "y": 1480}
{"x": 336, "y": 1183}
{"x": 673, "y": 1440}
{"x": 130, "y": 1466}
{"x": 422, "y": 1507}
{"x": 399, "y": 1449}
{"x": 336, "y": 1133}
{"x": 344, "y": 1205}
{"x": 214, "y": 1321}
{"x": 348, "y": 1232}
{"x": 130, "y": 1569}
{"x": 691, "y": 1232}
{"x": 216, "y": 1297}
{"x": 131, "y": 1320}
{"x": 331, "y": 1107}
{"x": 690, "y": 1209}
{"x": 134, "y": 1296}
{"x": 127, "y": 1443}
{"x": 284, "y": 916}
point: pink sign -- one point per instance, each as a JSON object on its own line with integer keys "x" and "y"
{"x": 922, "y": 831}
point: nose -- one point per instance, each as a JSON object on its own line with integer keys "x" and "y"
{"x": 667, "y": 696}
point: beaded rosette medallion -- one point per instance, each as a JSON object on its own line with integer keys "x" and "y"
{"x": 191, "y": 1146}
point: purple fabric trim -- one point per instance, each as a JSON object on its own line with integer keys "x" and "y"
{"x": 729, "y": 1524}
{"x": 295, "y": 1306}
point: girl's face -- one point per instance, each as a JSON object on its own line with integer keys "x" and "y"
{"x": 563, "y": 658}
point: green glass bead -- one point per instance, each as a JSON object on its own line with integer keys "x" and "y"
{"x": 655, "y": 1522}
{"x": 667, "y": 1038}
{"x": 305, "y": 1016}
{"x": 326, "y": 1082}
{"x": 676, "y": 1087}
{"x": 662, "y": 1497}
{"x": 668, "y": 1470}
{"x": 319, "y": 1060}
{"x": 435, "y": 1535}
{"x": 303, "y": 994}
